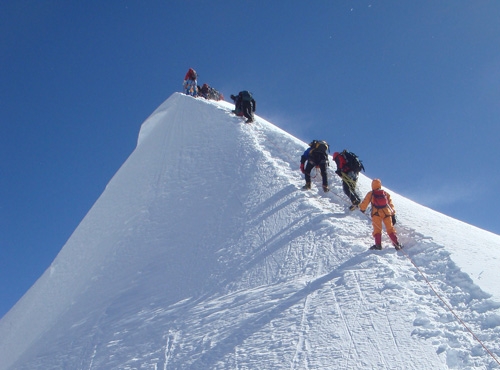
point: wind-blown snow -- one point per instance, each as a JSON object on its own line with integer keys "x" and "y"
{"x": 202, "y": 253}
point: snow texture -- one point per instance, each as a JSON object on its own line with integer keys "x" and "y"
{"x": 203, "y": 253}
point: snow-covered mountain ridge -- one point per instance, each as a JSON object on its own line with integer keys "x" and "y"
{"x": 203, "y": 254}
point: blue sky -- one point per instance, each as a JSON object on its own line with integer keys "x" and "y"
{"x": 412, "y": 87}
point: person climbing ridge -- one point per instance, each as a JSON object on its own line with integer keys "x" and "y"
{"x": 315, "y": 156}
{"x": 244, "y": 105}
{"x": 383, "y": 211}
{"x": 348, "y": 168}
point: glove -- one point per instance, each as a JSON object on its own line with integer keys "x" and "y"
{"x": 302, "y": 167}
{"x": 394, "y": 219}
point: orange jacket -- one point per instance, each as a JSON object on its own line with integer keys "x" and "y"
{"x": 382, "y": 212}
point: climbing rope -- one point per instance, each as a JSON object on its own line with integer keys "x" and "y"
{"x": 291, "y": 159}
{"x": 450, "y": 308}
{"x": 352, "y": 184}
{"x": 314, "y": 171}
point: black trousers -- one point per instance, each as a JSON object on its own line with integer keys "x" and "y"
{"x": 350, "y": 191}
{"x": 247, "y": 109}
{"x": 322, "y": 167}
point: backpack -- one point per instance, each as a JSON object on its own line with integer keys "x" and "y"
{"x": 353, "y": 162}
{"x": 193, "y": 75}
{"x": 246, "y": 95}
{"x": 319, "y": 146}
{"x": 379, "y": 199}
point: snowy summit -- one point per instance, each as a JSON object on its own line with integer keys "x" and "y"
{"x": 203, "y": 253}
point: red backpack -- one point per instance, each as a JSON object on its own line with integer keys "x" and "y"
{"x": 379, "y": 199}
{"x": 192, "y": 75}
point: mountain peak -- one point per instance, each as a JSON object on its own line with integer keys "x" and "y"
{"x": 203, "y": 253}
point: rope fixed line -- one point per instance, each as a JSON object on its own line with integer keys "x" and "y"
{"x": 450, "y": 308}
{"x": 352, "y": 182}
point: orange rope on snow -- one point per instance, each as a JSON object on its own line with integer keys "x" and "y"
{"x": 450, "y": 308}
{"x": 278, "y": 147}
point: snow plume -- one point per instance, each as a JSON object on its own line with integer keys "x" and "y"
{"x": 202, "y": 253}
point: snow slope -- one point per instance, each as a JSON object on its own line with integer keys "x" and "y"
{"x": 202, "y": 253}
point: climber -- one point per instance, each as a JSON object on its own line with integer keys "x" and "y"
{"x": 382, "y": 212}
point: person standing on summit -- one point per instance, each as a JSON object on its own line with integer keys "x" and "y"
{"x": 190, "y": 83}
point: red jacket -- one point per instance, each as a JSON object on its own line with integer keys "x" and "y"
{"x": 190, "y": 75}
{"x": 341, "y": 162}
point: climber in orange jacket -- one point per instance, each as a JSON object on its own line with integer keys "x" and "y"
{"x": 382, "y": 212}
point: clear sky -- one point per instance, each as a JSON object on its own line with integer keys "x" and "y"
{"x": 412, "y": 87}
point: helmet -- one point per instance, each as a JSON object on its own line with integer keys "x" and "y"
{"x": 376, "y": 184}
{"x": 335, "y": 155}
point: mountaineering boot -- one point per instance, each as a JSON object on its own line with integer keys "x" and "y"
{"x": 307, "y": 186}
{"x": 326, "y": 189}
{"x": 376, "y": 247}
{"x": 395, "y": 241}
